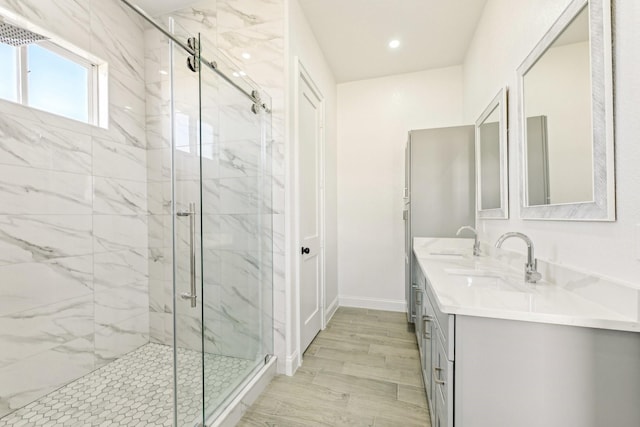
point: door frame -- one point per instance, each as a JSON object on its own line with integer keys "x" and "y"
{"x": 302, "y": 73}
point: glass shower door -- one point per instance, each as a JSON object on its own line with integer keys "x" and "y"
{"x": 186, "y": 226}
{"x": 236, "y": 236}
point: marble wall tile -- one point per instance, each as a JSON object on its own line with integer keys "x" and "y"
{"x": 33, "y": 377}
{"x": 240, "y": 158}
{"x": 70, "y": 191}
{"x": 117, "y": 232}
{"x": 35, "y": 191}
{"x": 34, "y": 238}
{"x": 113, "y": 270}
{"x": 263, "y": 42}
{"x": 118, "y": 196}
{"x": 115, "y": 340}
{"x": 30, "y": 285}
{"x": 30, "y": 143}
{"x": 116, "y": 305}
{"x": 238, "y": 14}
{"x": 34, "y": 331}
{"x": 118, "y": 36}
{"x": 111, "y": 159}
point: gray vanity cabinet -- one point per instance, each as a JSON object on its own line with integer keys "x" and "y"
{"x": 436, "y": 356}
{"x": 488, "y": 372}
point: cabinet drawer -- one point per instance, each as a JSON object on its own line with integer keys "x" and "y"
{"x": 444, "y": 323}
{"x": 442, "y": 376}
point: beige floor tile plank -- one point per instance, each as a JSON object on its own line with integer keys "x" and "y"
{"x": 307, "y": 393}
{"x": 324, "y": 341}
{"x": 362, "y": 370}
{"x": 404, "y": 363}
{"x": 323, "y": 415}
{"x": 380, "y": 406}
{"x": 351, "y": 356}
{"x": 413, "y": 395}
{"x": 350, "y": 384}
{"x": 391, "y": 350}
{"x": 387, "y": 373}
{"x": 351, "y": 336}
{"x": 316, "y": 364}
{"x": 399, "y": 422}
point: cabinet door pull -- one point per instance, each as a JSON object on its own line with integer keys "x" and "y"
{"x": 426, "y": 319}
{"x": 436, "y": 375}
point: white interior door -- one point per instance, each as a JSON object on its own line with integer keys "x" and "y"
{"x": 309, "y": 124}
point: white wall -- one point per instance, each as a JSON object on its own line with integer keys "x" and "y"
{"x": 304, "y": 47}
{"x": 500, "y": 45}
{"x": 374, "y": 117}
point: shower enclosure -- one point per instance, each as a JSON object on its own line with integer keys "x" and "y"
{"x": 199, "y": 244}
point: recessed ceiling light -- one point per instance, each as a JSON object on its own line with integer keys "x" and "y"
{"x": 235, "y": 74}
{"x": 246, "y": 55}
{"x": 394, "y": 44}
{"x": 163, "y": 72}
{"x": 242, "y": 73}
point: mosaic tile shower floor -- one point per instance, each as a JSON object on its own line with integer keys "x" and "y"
{"x": 136, "y": 390}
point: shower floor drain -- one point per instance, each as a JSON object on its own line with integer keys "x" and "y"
{"x": 137, "y": 390}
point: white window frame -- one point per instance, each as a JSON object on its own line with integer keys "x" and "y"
{"x": 98, "y": 76}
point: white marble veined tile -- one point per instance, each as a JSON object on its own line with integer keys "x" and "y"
{"x": 36, "y": 191}
{"x": 159, "y": 197}
{"x": 30, "y": 332}
{"x": 240, "y": 158}
{"x": 236, "y": 14}
{"x": 27, "y": 238}
{"x": 156, "y": 328}
{"x": 117, "y": 232}
{"x": 244, "y": 232}
{"x": 198, "y": 17}
{"x": 114, "y": 160}
{"x": 263, "y": 42}
{"x": 114, "y": 341}
{"x": 159, "y": 165}
{"x": 29, "y": 143}
{"x": 278, "y": 233}
{"x": 158, "y": 129}
{"x": 122, "y": 268}
{"x": 68, "y": 19}
{"x": 33, "y": 284}
{"x": 189, "y": 331}
{"x": 160, "y": 231}
{"x": 118, "y": 37}
{"x": 31, "y": 378}
{"x": 241, "y": 195}
{"x": 118, "y": 196}
{"x": 116, "y": 305}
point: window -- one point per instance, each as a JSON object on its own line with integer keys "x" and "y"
{"x": 48, "y": 77}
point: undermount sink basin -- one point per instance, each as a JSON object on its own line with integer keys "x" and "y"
{"x": 482, "y": 279}
{"x": 447, "y": 254}
{"x": 472, "y": 272}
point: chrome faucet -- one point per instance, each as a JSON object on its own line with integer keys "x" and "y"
{"x": 476, "y": 242}
{"x": 531, "y": 274}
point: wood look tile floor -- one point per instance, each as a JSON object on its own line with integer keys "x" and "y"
{"x": 362, "y": 370}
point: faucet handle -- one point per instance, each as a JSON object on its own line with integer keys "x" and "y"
{"x": 531, "y": 274}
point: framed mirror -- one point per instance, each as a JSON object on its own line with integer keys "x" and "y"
{"x": 566, "y": 119}
{"x": 491, "y": 160}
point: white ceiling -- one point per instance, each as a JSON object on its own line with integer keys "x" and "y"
{"x": 354, "y": 34}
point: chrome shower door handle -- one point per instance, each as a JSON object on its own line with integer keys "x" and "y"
{"x": 191, "y": 213}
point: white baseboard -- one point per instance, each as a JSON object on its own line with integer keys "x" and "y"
{"x": 331, "y": 310}
{"x": 292, "y": 364}
{"x": 373, "y": 303}
{"x": 233, "y": 413}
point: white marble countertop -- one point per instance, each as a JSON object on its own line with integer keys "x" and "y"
{"x": 485, "y": 287}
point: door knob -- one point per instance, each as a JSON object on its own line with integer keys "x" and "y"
{"x": 305, "y": 250}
